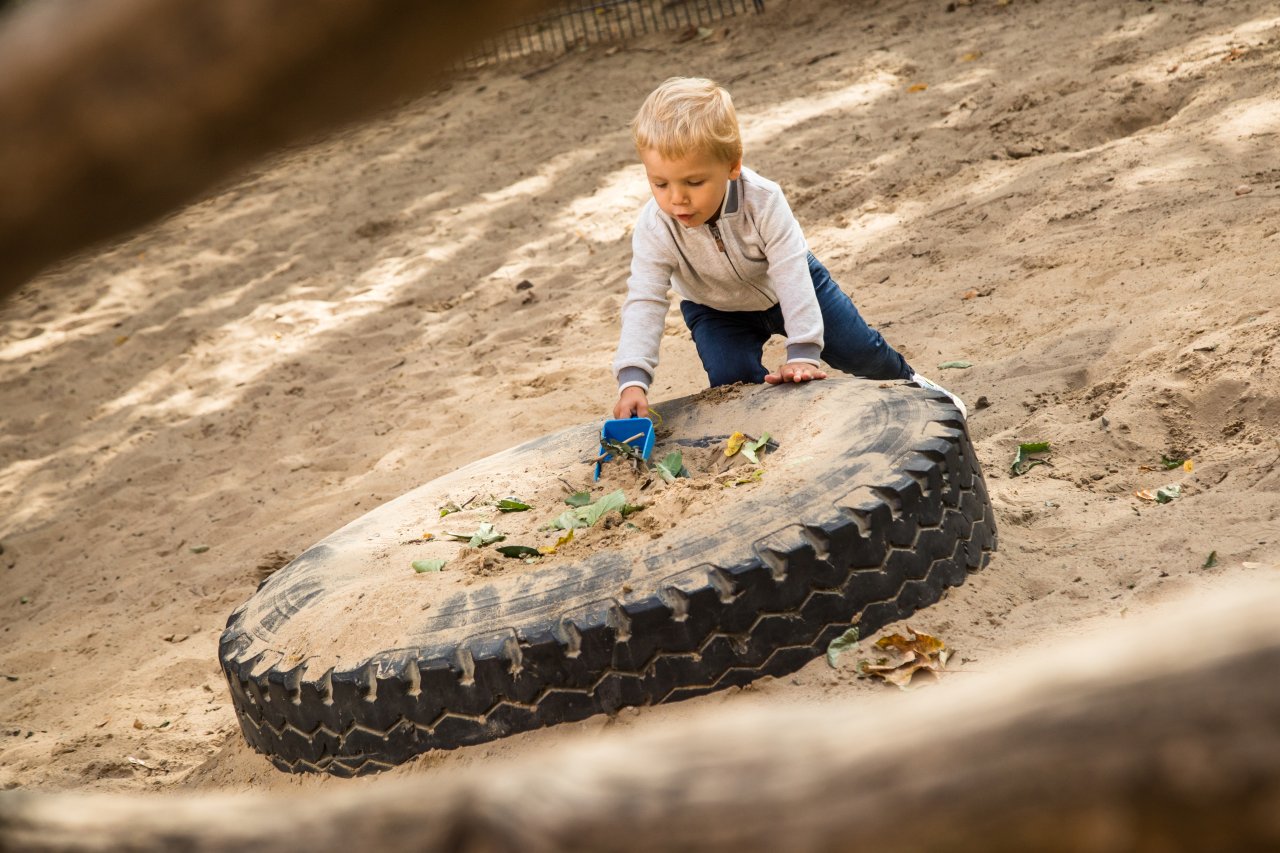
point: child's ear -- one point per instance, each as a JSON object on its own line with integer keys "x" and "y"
{"x": 735, "y": 169}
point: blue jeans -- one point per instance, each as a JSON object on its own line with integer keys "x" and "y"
{"x": 731, "y": 343}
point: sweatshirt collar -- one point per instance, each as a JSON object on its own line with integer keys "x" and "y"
{"x": 732, "y": 198}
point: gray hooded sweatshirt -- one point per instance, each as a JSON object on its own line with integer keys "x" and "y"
{"x": 753, "y": 257}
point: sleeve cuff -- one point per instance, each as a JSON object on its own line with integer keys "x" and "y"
{"x": 634, "y": 377}
{"x": 804, "y": 352}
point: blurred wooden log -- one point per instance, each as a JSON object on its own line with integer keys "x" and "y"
{"x": 1162, "y": 736}
{"x": 113, "y": 112}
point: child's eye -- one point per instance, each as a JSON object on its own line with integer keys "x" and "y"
{"x": 695, "y": 183}
{"x": 660, "y": 185}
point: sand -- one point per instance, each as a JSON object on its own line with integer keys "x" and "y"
{"x": 1077, "y": 198}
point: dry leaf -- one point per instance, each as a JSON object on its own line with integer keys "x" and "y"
{"x": 734, "y": 444}
{"x": 971, "y": 57}
{"x": 919, "y": 653}
{"x": 921, "y": 644}
{"x": 969, "y": 294}
{"x": 917, "y": 87}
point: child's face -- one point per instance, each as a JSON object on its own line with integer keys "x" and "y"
{"x": 690, "y": 188}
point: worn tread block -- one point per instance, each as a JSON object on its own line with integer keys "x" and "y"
{"x": 878, "y": 614}
{"x": 507, "y": 719}
{"x": 774, "y": 631}
{"x": 546, "y": 663}
{"x": 786, "y": 661}
{"x": 619, "y": 690}
{"x": 400, "y": 738}
{"x": 453, "y": 731}
{"x": 753, "y": 591}
{"x": 869, "y": 585}
{"x": 825, "y": 607}
{"x": 559, "y": 706}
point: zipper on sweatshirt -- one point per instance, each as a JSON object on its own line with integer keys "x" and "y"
{"x": 715, "y": 233}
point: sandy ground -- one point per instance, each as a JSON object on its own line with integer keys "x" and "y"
{"x": 1076, "y": 197}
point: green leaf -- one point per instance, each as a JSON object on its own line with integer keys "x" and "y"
{"x": 518, "y": 551}
{"x": 628, "y": 509}
{"x": 586, "y": 516}
{"x": 567, "y": 520}
{"x": 1170, "y": 462}
{"x": 199, "y": 549}
{"x": 24, "y": 600}
{"x": 620, "y": 450}
{"x": 612, "y": 502}
{"x": 1211, "y": 560}
{"x": 1024, "y": 462}
{"x": 671, "y": 467}
{"x": 485, "y": 534}
{"x": 421, "y": 566}
{"x": 1165, "y": 494}
{"x": 751, "y": 448}
{"x": 448, "y": 508}
{"x": 958, "y": 365}
{"x": 846, "y": 641}
{"x": 578, "y": 499}
{"x": 512, "y": 505}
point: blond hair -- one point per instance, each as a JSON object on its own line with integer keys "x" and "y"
{"x": 686, "y": 115}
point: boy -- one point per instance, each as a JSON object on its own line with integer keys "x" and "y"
{"x": 726, "y": 241}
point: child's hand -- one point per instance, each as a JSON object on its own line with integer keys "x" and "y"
{"x": 795, "y": 371}
{"x": 632, "y": 402}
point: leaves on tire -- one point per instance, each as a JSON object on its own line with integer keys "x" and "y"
{"x": 917, "y": 653}
{"x": 587, "y": 516}
{"x": 846, "y": 641}
{"x": 671, "y": 467}
{"x": 734, "y": 444}
{"x": 483, "y": 535}
{"x": 1024, "y": 460}
{"x": 751, "y": 448}
{"x": 421, "y": 566}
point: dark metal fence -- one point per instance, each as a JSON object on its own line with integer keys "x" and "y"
{"x": 579, "y": 23}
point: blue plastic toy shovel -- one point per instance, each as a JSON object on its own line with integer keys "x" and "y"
{"x": 637, "y": 432}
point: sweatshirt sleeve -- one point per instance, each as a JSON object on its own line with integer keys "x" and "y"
{"x": 788, "y": 255}
{"x": 644, "y": 312}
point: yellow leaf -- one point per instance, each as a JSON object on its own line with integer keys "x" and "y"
{"x": 917, "y": 87}
{"x": 920, "y": 644}
{"x": 735, "y": 444}
{"x": 918, "y": 653}
{"x": 971, "y": 57}
{"x": 1188, "y": 466}
{"x": 548, "y": 550}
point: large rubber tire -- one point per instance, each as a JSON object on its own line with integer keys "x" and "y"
{"x": 898, "y": 512}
